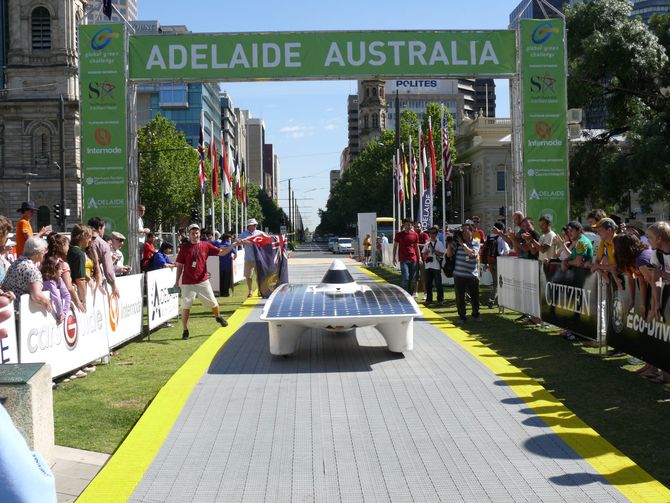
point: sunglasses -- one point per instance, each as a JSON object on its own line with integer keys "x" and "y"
{"x": 119, "y": 240}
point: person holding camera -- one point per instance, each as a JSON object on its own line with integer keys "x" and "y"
{"x": 466, "y": 271}
{"x": 433, "y": 251}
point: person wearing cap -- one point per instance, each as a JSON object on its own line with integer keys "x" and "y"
{"x": 192, "y": 270}
{"x": 117, "y": 255}
{"x": 249, "y": 253}
{"x": 495, "y": 247}
{"x": 582, "y": 249}
{"x": 23, "y": 228}
{"x": 605, "y": 262}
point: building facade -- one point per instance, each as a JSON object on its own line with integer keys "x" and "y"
{"x": 39, "y": 107}
{"x": 127, "y": 9}
{"x": 255, "y": 142}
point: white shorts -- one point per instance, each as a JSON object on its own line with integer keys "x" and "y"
{"x": 202, "y": 290}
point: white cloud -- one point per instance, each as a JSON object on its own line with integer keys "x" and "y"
{"x": 296, "y": 131}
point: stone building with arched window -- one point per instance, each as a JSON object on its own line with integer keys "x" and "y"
{"x": 39, "y": 105}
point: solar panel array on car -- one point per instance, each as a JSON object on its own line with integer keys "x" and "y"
{"x": 302, "y": 301}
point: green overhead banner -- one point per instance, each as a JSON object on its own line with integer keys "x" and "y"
{"x": 104, "y": 151}
{"x": 321, "y": 55}
{"x": 545, "y": 134}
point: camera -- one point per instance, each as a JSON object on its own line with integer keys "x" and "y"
{"x": 458, "y": 235}
{"x": 429, "y": 259}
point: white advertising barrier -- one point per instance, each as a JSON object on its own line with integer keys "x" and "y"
{"x": 518, "y": 285}
{"x": 161, "y": 305}
{"x": 9, "y": 348}
{"x": 124, "y": 314}
{"x": 213, "y": 269}
{"x": 80, "y": 339}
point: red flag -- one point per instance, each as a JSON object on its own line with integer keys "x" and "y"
{"x": 412, "y": 171}
{"x": 397, "y": 172}
{"x": 202, "y": 170}
{"x": 211, "y": 153}
{"x": 431, "y": 153}
{"x": 446, "y": 150}
{"x": 259, "y": 239}
{"x": 225, "y": 169}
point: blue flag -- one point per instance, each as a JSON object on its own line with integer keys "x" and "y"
{"x": 271, "y": 265}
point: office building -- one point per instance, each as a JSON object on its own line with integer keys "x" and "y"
{"x": 255, "y": 142}
{"x": 127, "y": 9}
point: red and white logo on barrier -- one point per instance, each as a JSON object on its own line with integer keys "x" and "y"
{"x": 71, "y": 331}
{"x": 114, "y": 312}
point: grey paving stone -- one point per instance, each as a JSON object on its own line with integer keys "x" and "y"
{"x": 344, "y": 420}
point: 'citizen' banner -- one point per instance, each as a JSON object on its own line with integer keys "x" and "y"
{"x": 631, "y": 330}
{"x": 569, "y": 299}
{"x": 9, "y": 352}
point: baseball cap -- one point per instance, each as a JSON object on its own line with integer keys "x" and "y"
{"x": 547, "y": 218}
{"x": 10, "y": 243}
{"x": 193, "y": 226}
{"x": 606, "y": 223}
{"x": 118, "y": 235}
{"x": 252, "y": 221}
{"x": 469, "y": 222}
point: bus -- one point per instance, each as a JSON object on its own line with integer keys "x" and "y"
{"x": 385, "y": 227}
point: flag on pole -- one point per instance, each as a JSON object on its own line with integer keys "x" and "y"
{"x": 243, "y": 185}
{"x": 447, "y": 171}
{"x": 202, "y": 168}
{"x": 398, "y": 176}
{"x": 405, "y": 170}
{"x": 431, "y": 153}
{"x": 107, "y": 8}
{"x": 225, "y": 162}
{"x": 412, "y": 170}
{"x": 213, "y": 159}
{"x": 422, "y": 164}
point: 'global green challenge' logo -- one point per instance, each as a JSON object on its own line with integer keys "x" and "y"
{"x": 543, "y": 32}
{"x": 102, "y": 38}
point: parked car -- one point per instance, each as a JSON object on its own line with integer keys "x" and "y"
{"x": 343, "y": 245}
{"x": 331, "y": 243}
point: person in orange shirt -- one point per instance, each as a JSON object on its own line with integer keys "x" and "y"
{"x": 23, "y": 228}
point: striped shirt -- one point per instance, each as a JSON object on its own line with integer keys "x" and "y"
{"x": 467, "y": 267}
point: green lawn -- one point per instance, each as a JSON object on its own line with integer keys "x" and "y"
{"x": 95, "y": 413}
{"x": 603, "y": 391}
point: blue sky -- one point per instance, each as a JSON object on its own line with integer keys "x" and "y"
{"x": 307, "y": 121}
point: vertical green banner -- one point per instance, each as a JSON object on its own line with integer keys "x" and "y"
{"x": 104, "y": 150}
{"x": 545, "y": 136}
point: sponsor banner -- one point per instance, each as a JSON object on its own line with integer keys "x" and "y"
{"x": 9, "y": 348}
{"x": 518, "y": 285}
{"x": 569, "y": 299}
{"x": 630, "y": 330}
{"x": 123, "y": 315}
{"x": 162, "y": 305}
{"x": 104, "y": 149}
{"x": 213, "y": 270}
{"x": 79, "y": 340}
{"x": 421, "y": 86}
{"x": 321, "y": 55}
{"x": 545, "y": 136}
{"x": 426, "y": 200}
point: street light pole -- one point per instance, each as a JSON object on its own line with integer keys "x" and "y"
{"x": 461, "y": 171}
{"x": 28, "y": 177}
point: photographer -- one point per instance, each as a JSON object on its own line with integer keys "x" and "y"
{"x": 466, "y": 271}
{"x": 432, "y": 252}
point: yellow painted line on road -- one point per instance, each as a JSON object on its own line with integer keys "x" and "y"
{"x": 123, "y": 472}
{"x": 617, "y": 468}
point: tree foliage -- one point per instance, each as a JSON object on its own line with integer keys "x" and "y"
{"x": 623, "y": 64}
{"x": 367, "y": 186}
{"x": 168, "y": 173}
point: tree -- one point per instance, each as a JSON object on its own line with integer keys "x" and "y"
{"x": 623, "y": 64}
{"x": 168, "y": 173}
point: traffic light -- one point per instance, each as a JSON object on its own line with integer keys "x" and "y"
{"x": 57, "y": 212}
{"x": 195, "y": 215}
{"x": 501, "y": 211}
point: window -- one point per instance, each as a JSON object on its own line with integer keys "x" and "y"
{"x": 173, "y": 96}
{"x": 41, "y": 146}
{"x": 375, "y": 121}
{"x": 500, "y": 181}
{"x": 374, "y": 91}
{"x": 366, "y": 121}
{"x": 40, "y": 25}
{"x": 383, "y": 120}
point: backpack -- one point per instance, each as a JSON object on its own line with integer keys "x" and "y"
{"x": 490, "y": 250}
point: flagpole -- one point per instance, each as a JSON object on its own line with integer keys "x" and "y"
{"x": 432, "y": 182}
{"x": 444, "y": 191}
{"x": 223, "y": 185}
{"x": 230, "y": 212}
{"x": 421, "y": 173}
{"x": 411, "y": 186}
{"x": 393, "y": 193}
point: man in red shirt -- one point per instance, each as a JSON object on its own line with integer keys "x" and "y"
{"x": 192, "y": 269}
{"x": 406, "y": 251}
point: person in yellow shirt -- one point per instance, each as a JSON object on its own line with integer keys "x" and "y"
{"x": 23, "y": 228}
{"x": 367, "y": 248}
{"x": 605, "y": 262}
